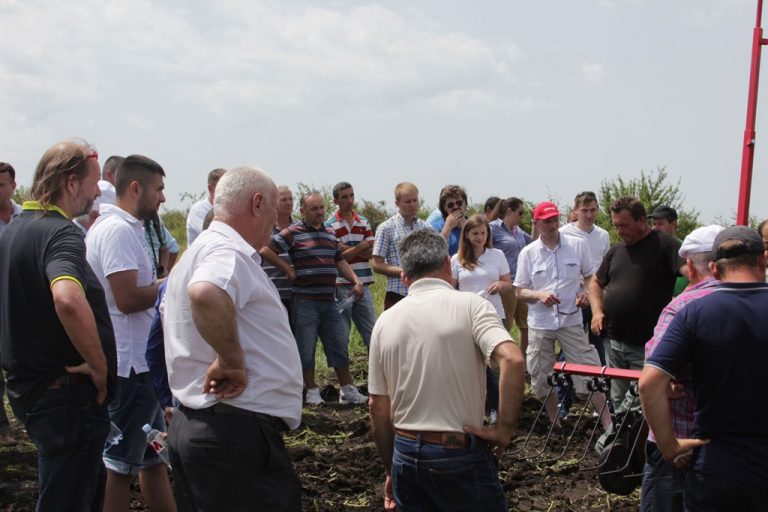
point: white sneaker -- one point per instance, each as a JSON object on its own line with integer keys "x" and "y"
{"x": 492, "y": 417}
{"x": 350, "y": 395}
{"x": 313, "y": 397}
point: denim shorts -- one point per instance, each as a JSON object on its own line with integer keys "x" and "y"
{"x": 135, "y": 404}
{"x": 313, "y": 318}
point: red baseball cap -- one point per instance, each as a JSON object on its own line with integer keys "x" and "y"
{"x": 545, "y": 210}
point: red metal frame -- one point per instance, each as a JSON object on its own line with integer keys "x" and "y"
{"x": 596, "y": 371}
{"x": 748, "y": 154}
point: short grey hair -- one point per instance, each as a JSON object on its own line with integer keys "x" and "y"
{"x": 422, "y": 252}
{"x": 236, "y": 188}
{"x": 701, "y": 261}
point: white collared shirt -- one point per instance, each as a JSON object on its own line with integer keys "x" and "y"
{"x": 597, "y": 240}
{"x": 196, "y": 218}
{"x": 116, "y": 243}
{"x": 221, "y": 257}
{"x": 560, "y": 270}
{"x": 16, "y": 211}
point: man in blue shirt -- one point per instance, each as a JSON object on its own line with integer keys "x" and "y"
{"x": 724, "y": 339}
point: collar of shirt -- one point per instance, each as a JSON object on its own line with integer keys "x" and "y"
{"x": 227, "y": 230}
{"x": 426, "y": 284}
{"x": 307, "y": 226}
{"x": 401, "y": 219}
{"x": 36, "y": 206}
{"x": 355, "y": 218}
{"x": 111, "y": 209}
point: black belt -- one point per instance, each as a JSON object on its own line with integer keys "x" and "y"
{"x": 69, "y": 379}
{"x": 231, "y": 410}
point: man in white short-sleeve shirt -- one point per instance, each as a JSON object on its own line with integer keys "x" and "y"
{"x": 426, "y": 382}
{"x": 117, "y": 252}
{"x": 200, "y": 209}
{"x": 549, "y": 275}
{"x": 233, "y": 363}
{"x": 598, "y": 242}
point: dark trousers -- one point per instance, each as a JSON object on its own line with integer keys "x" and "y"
{"x": 663, "y": 483}
{"x": 69, "y": 429}
{"x": 230, "y": 462}
{"x": 707, "y": 493}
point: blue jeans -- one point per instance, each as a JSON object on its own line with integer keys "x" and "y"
{"x": 320, "y": 317}
{"x": 663, "y": 483}
{"x": 361, "y": 312}
{"x": 428, "y": 477}
{"x": 69, "y": 429}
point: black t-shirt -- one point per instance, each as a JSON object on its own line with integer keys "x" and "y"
{"x": 36, "y": 249}
{"x": 638, "y": 281}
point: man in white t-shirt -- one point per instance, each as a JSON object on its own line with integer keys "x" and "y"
{"x": 119, "y": 256}
{"x": 598, "y": 242}
{"x": 549, "y": 277}
{"x": 200, "y": 209}
{"x": 426, "y": 383}
{"x": 232, "y": 360}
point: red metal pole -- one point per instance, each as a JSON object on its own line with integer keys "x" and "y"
{"x": 748, "y": 155}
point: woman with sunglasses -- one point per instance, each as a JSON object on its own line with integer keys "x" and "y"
{"x": 479, "y": 268}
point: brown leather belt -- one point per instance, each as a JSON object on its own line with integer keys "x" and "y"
{"x": 453, "y": 440}
{"x": 68, "y": 379}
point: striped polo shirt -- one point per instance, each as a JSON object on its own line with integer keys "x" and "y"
{"x": 314, "y": 253}
{"x": 359, "y": 231}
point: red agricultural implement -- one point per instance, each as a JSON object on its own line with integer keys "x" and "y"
{"x": 620, "y": 450}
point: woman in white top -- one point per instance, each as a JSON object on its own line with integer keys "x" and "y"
{"x": 481, "y": 269}
{"x": 478, "y": 267}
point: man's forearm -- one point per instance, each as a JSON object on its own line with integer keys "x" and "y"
{"x": 346, "y": 271}
{"x": 382, "y": 429}
{"x": 653, "y": 395}
{"x": 527, "y": 295}
{"x": 511, "y": 384}
{"x": 380, "y": 266}
{"x": 78, "y": 321}
{"x": 214, "y": 315}
{"x": 275, "y": 260}
{"x": 595, "y": 292}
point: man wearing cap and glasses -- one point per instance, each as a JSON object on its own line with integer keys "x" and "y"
{"x": 662, "y": 481}
{"x": 549, "y": 273}
{"x": 723, "y": 339}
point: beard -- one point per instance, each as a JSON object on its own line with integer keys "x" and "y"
{"x": 86, "y": 209}
{"x": 145, "y": 210}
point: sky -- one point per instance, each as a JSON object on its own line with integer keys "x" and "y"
{"x": 536, "y": 99}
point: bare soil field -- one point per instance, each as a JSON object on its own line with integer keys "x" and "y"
{"x": 337, "y": 463}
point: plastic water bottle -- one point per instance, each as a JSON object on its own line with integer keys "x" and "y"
{"x": 156, "y": 440}
{"x": 346, "y": 303}
{"x": 114, "y": 437}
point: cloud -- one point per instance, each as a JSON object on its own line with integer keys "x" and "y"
{"x": 234, "y": 57}
{"x": 593, "y": 73}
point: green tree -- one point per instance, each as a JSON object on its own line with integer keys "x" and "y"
{"x": 653, "y": 189}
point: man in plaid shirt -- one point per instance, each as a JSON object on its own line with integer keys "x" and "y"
{"x": 662, "y": 482}
{"x": 386, "y": 255}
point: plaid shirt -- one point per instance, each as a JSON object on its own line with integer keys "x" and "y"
{"x": 388, "y": 235}
{"x": 681, "y": 410}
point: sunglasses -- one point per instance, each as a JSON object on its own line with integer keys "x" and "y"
{"x": 456, "y": 204}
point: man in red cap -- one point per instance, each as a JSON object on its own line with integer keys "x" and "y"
{"x": 549, "y": 277}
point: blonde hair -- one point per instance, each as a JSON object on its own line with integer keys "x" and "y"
{"x": 404, "y": 187}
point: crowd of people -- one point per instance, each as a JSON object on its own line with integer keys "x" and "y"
{"x": 103, "y": 327}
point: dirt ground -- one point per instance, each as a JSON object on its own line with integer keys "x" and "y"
{"x": 340, "y": 470}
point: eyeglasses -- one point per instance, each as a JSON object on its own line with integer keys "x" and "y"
{"x": 456, "y": 204}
